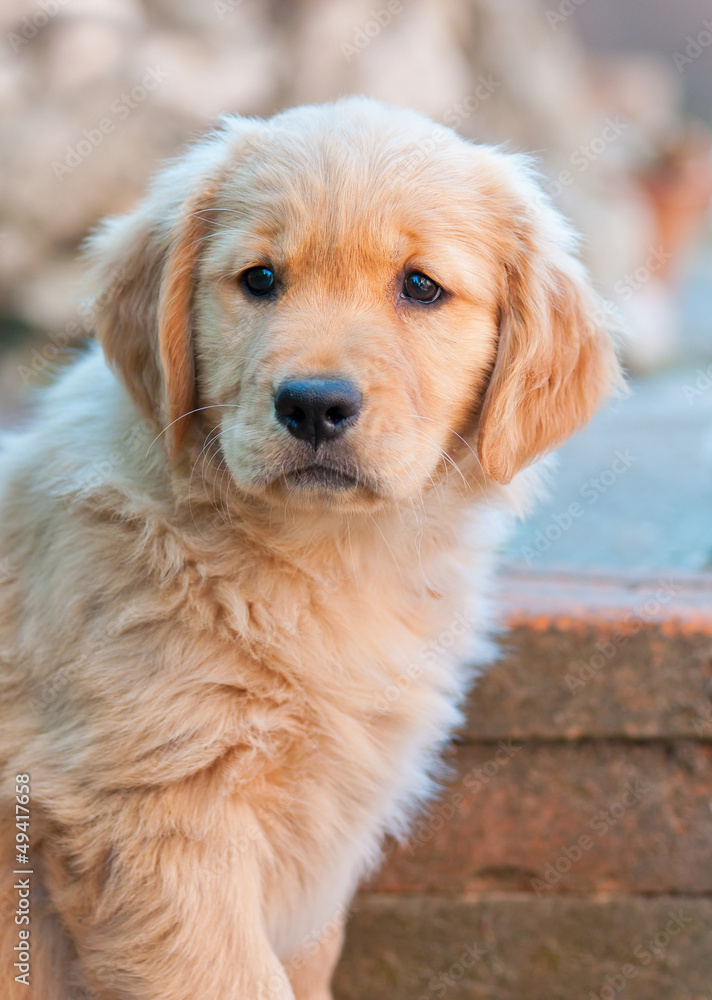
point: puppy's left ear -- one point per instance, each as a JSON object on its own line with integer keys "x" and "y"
{"x": 555, "y": 359}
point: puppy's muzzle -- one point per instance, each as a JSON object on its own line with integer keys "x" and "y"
{"x": 316, "y": 409}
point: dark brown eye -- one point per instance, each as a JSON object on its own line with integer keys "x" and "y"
{"x": 259, "y": 281}
{"x": 420, "y": 287}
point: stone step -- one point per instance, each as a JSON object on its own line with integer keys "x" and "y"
{"x": 517, "y": 947}
{"x": 585, "y": 764}
{"x": 565, "y": 818}
{"x": 576, "y": 826}
{"x": 601, "y": 657}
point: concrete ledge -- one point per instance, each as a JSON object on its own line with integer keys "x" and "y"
{"x": 511, "y": 947}
{"x": 599, "y": 657}
{"x": 679, "y": 601}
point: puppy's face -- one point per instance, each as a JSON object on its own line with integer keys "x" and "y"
{"x": 359, "y": 304}
{"x": 343, "y": 319}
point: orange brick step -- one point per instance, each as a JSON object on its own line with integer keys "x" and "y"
{"x": 577, "y": 818}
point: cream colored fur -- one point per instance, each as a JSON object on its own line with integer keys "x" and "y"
{"x": 226, "y": 690}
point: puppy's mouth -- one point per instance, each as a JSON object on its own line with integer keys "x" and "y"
{"x": 321, "y": 477}
{"x": 315, "y": 479}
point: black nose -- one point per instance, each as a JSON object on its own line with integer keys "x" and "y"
{"x": 317, "y": 409}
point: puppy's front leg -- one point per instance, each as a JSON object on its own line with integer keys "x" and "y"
{"x": 168, "y": 916}
{"x": 310, "y": 974}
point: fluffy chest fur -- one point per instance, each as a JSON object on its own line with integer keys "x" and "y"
{"x": 265, "y": 686}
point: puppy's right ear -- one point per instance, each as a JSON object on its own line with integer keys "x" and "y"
{"x": 145, "y": 268}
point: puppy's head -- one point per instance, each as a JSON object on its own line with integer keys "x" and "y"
{"x": 346, "y": 302}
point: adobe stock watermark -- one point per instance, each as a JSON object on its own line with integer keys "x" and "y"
{"x": 474, "y": 781}
{"x": 363, "y": 36}
{"x": 430, "y": 655}
{"x": 7, "y": 570}
{"x": 695, "y": 45}
{"x": 47, "y": 694}
{"x": 701, "y": 385}
{"x": 455, "y": 115}
{"x": 606, "y": 312}
{"x": 563, "y": 12}
{"x": 462, "y": 110}
{"x": 591, "y": 491}
{"x": 313, "y": 941}
{"x": 223, "y": 7}
{"x": 631, "y": 283}
{"x": 277, "y": 986}
{"x": 255, "y": 831}
{"x": 440, "y": 984}
{"x": 32, "y": 23}
{"x": 600, "y": 824}
{"x": 586, "y": 154}
{"x": 23, "y": 871}
{"x": 703, "y": 723}
{"x": 120, "y": 109}
{"x": 85, "y": 482}
{"x": 51, "y": 352}
{"x": 585, "y": 670}
{"x": 649, "y": 950}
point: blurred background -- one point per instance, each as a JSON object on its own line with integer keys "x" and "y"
{"x": 613, "y": 98}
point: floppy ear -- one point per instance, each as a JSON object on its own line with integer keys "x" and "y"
{"x": 555, "y": 357}
{"x": 146, "y": 266}
{"x": 174, "y": 317}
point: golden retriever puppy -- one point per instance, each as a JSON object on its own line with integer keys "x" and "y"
{"x": 245, "y": 540}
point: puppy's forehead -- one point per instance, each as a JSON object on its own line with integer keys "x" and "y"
{"x": 342, "y": 189}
